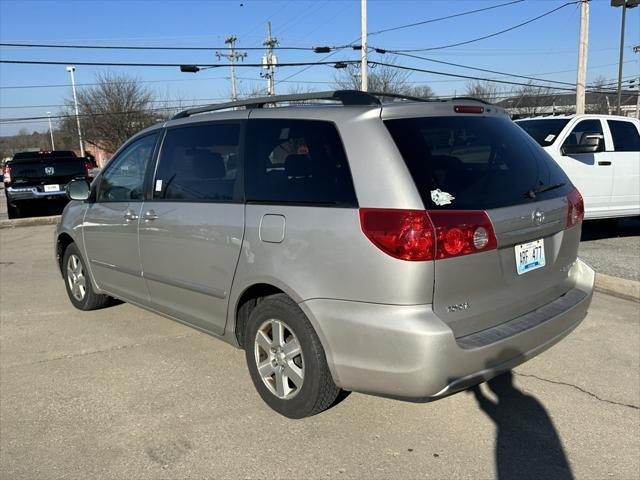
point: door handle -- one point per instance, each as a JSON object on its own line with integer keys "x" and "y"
{"x": 150, "y": 216}
{"x": 604, "y": 163}
{"x": 130, "y": 216}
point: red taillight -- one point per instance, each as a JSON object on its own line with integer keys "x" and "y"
{"x": 427, "y": 235}
{"x": 404, "y": 234}
{"x": 88, "y": 167}
{"x": 6, "y": 174}
{"x": 468, "y": 109}
{"x": 575, "y": 209}
{"x": 461, "y": 232}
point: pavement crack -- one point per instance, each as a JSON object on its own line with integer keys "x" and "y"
{"x": 556, "y": 382}
{"x": 106, "y": 350}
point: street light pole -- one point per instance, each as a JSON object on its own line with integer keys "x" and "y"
{"x": 72, "y": 69}
{"x": 53, "y": 145}
{"x": 624, "y": 4}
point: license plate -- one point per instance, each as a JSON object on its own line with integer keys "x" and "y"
{"x": 529, "y": 256}
{"x": 52, "y": 188}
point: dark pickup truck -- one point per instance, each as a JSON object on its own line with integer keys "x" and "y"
{"x": 32, "y": 178}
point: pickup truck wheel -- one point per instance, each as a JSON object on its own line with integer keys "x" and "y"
{"x": 78, "y": 283}
{"x": 12, "y": 210}
{"x": 286, "y": 360}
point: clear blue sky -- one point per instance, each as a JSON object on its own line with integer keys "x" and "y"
{"x": 547, "y": 47}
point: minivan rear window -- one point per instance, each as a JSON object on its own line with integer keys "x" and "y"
{"x": 471, "y": 163}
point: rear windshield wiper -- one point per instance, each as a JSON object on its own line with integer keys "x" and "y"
{"x": 543, "y": 188}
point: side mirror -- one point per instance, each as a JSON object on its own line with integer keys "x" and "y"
{"x": 78, "y": 190}
{"x": 591, "y": 142}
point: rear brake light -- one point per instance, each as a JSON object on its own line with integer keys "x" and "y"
{"x": 575, "y": 209}
{"x": 468, "y": 109}
{"x": 427, "y": 235}
{"x": 403, "y": 234}
{"x": 462, "y": 232}
{"x": 88, "y": 167}
{"x": 6, "y": 174}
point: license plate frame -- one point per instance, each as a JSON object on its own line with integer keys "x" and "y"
{"x": 54, "y": 187}
{"x": 529, "y": 256}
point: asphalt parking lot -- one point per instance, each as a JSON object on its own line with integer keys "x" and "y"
{"x": 122, "y": 393}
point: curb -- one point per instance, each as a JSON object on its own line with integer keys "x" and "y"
{"x": 29, "y": 222}
{"x": 618, "y": 287}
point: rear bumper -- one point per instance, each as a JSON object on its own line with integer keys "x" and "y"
{"x": 408, "y": 352}
{"x": 18, "y": 194}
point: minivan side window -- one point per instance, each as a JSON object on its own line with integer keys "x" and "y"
{"x": 123, "y": 178}
{"x": 297, "y": 161}
{"x": 198, "y": 163}
{"x": 625, "y": 136}
{"x": 585, "y": 126}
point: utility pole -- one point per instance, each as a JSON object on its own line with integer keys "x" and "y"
{"x": 232, "y": 56}
{"x": 269, "y": 61}
{"x": 582, "y": 57}
{"x": 364, "y": 85}
{"x": 72, "y": 69}
{"x": 53, "y": 145}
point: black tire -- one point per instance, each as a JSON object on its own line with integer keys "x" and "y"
{"x": 90, "y": 300}
{"x": 317, "y": 392}
{"x": 12, "y": 210}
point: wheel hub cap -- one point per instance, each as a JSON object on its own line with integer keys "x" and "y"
{"x": 279, "y": 359}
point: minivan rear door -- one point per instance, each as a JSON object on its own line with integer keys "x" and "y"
{"x": 485, "y": 162}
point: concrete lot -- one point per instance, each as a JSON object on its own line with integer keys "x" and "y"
{"x": 122, "y": 393}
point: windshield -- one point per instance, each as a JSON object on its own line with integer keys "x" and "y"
{"x": 545, "y": 131}
{"x": 474, "y": 163}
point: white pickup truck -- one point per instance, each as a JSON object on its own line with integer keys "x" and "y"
{"x": 601, "y": 156}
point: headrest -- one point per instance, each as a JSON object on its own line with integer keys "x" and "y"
{"x": 298, "y": 165}
{"x": 209, "y": 164}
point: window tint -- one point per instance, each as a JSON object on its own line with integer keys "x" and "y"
{"x": 625, "y": 136}
{"x": 297, "y": 161}
{"x": 198, "y": 163}
{"x": 123, "y": 179}
{"x": 474, "y": 162}
{"x": 577, "y": 137}
{"x": 544, "y": 132}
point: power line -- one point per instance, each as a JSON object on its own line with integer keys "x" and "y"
{"x": 478, "y": 69}
{"x": 135, "y": 47}
{"x": 432, "y": 20}
{"x": 202, "y": 65}
{"x": 484, "y": 37}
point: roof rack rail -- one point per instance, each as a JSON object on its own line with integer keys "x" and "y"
{"x": 347, "y": 97}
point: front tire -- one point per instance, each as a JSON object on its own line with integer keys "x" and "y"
{"x": 77, "y": 282}
{"x": 286, "y": 360}
{"x": 12, "y": 210}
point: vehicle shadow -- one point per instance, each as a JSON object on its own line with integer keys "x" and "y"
{"x": 527, "y": 443}
{"x": 600, "y": 229}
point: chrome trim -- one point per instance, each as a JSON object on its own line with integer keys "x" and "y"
{"x": 128, "y": 271}
{"x": 34, "y": 191}
{"x": 194, "y": 287}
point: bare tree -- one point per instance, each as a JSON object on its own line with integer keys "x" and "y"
{"x": 112, "y": 111}
{"x": 532, "y": 100}
{"x": 381, "y": 78}
{"x": 483, "y": 90}
{"x": 601, "y": 97}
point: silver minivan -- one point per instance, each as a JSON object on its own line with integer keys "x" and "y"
{"x": 405, "y": 249}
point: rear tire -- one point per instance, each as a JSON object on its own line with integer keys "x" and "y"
{"x": 78, "y": 283}
{"x": 286, "y": 360}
